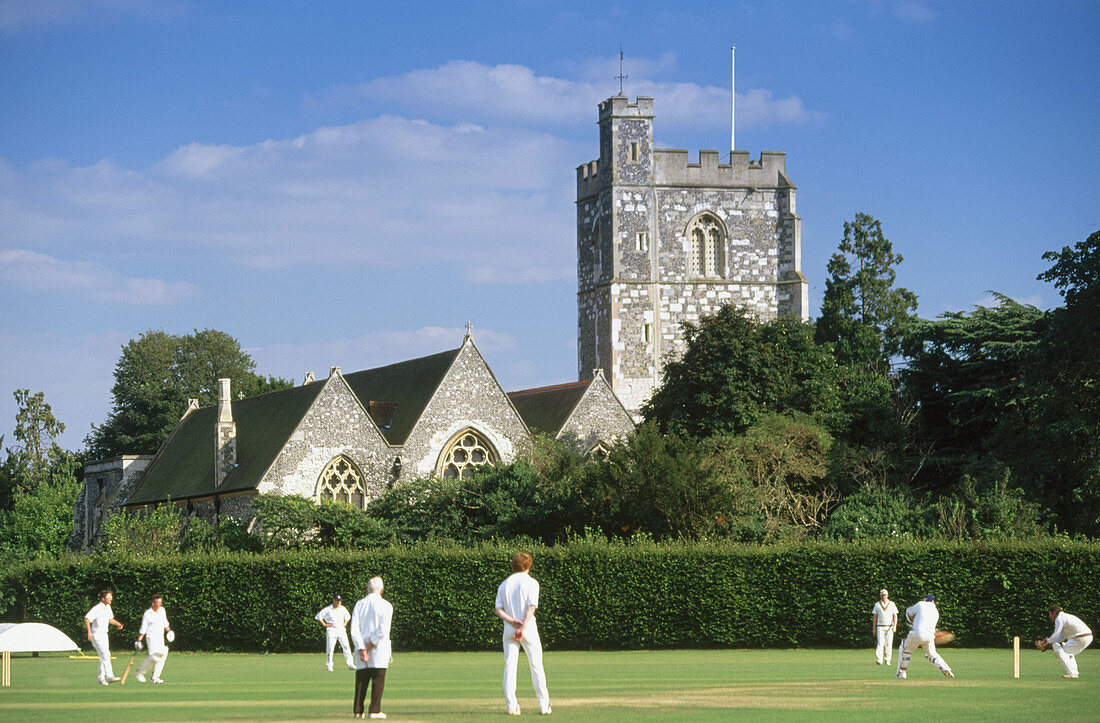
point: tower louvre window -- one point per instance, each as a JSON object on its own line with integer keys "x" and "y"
{"x": 634, "y": 152}
{"x": 641, "y": 241}
{"x": 706, "y": 241}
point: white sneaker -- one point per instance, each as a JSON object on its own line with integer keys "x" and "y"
{"x": 158, "y": 681}
{"x": 104, "y": 682}
{"x": 545, "y": 711}
{"x": 1069, "y": 676}
{"x": 513, "y": 711}
{"x": 114, "y": 679}
{"x": 377, "y": 715}
{"x": 140, "y": 677}
{"x": 901, "y": 675}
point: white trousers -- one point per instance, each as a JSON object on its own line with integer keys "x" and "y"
{"x": 532, "y": 646}
{"x": 1067, "y": 652}
{"x": 885, "y": 635}
{"x": 911, "y": 643}
{"x": 103, "y": 650}
{"x": 331, "y": 636}
{"x": 156, "y": 659}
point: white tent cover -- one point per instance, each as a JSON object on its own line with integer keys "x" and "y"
{"x": 34, "y": 638}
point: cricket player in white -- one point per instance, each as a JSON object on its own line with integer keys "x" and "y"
{"x": 334, "y": 619}
{"x": 370, "y": 634}
{"x": 154, "y": 626}
{"x": 922, "y": 618}
{"x": 884, "y": 622}
{"x": 517, "y": 599}
{"x": 1069, "y": 638}
{"x": 96, "y": 623}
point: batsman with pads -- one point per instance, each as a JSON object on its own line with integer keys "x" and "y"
{"x": 922, "y": 634}
{"x": 154, "y": 631}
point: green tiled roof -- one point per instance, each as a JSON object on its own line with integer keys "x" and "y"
{"x": 546, "y": 409}
{"x": 185, "y": 467}
{"x": 409, "y": 384}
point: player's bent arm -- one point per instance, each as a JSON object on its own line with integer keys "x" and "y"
{"x": 507, "y": 618}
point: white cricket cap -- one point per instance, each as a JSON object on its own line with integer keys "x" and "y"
{"x": 883, "y": 592}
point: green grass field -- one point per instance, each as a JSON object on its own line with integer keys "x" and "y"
{"x": 584, "y": 686}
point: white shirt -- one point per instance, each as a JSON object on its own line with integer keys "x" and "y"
{"x": 153, "y": 623}
{"x": 517, "y": 593}
{"x": 923, "y": 618}
{"x": 336, "y": 617}
{"x": 1067, "y": 626}
{"x": 100, "y": 617}
{"x": 885, "y": 615}
{"x": 370, "y": 623}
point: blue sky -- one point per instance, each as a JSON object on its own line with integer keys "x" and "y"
{"x": 349, "y": 183}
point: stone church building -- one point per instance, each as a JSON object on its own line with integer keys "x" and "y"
{"x": 660, "y": 241}
{"x": 349, "y": 438}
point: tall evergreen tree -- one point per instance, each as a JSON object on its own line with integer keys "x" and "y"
{"x": 862, "y": 314}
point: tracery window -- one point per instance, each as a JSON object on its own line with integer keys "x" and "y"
{"x": 467, "y": 451}
{"x": 342, "y": 481}
{"x": 706, "y": 236}
{"x": 599, "y": 451}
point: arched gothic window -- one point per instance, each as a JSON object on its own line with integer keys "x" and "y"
{"x": 466, "y": 451}
{"x": 342, "y": 481}
{"x": 599, "y": 451}
{"x": 706, "y": 237}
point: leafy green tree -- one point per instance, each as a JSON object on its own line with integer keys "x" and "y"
{"x": 782, "y": 461}
{"x": 38, "y": 482}
{"x": 156, "y": 531}
{"x": 968, "y": 375}
{"x": 659, "y": 485}
{"x": 1067, "y": 399}
{"x": 156, "y": 375}
{"x": 862, "y": 313}
{"x": 735, "y": 369}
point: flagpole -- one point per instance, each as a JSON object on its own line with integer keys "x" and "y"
{"x": 733, "y": 100}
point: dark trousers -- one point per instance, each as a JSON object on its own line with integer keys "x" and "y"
{"x": 363, "y": 679}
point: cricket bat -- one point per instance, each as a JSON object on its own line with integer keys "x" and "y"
{"x": 129, "y": 665}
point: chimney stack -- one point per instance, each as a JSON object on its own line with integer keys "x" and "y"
{"x": 225, "y": 435}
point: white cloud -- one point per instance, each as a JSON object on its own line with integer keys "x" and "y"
{"x": 378, "y": 348}
{"x": 515, "y": 93}
{"x": 33, "y": 272}
{"x": 491, "y": 203}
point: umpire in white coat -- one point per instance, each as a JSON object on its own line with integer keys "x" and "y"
{"x": 370, "y": 636}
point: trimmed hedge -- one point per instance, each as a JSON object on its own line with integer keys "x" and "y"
{"x": 594, "y": 594}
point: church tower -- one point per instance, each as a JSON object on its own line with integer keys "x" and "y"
{"x": 661, "y": 241}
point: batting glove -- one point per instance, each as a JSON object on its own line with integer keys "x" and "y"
{"x": 137, "y": 645}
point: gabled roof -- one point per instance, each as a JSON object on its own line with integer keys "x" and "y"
{"x": 184, "y": 467}
{"x": 547, "y": 409}
{"x": 408, "y": 384}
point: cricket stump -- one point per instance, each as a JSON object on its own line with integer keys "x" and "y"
{"x": 1015, "y": 656}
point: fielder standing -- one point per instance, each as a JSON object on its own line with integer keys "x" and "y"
{"x": 922, "y": 618}
{"x": 884, "y": 623}
{"x": 154, "y": 630}
{"x": 370, "y": 633}
{"x": 1069, "y": 638}
{"x": 517, "y": 599}
{"x": 334, "y": 619}
{"x": 96, "y": 623}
